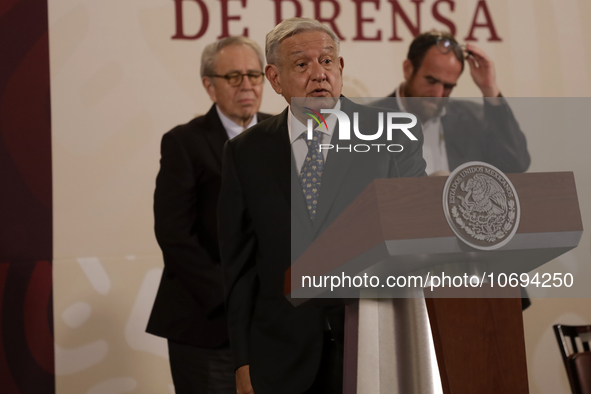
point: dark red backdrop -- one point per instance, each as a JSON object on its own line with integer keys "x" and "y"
{"x": 26, "y": 317}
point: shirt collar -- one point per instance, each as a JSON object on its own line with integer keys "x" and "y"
{"x": 232, "y": 128}
{"x": 299, "y": 127}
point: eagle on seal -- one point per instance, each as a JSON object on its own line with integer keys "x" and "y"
{"x": 486, "y": 196}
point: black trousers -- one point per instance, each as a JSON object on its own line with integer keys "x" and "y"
{"x": 201, "y": 371}
{"x": 329, "y": 379}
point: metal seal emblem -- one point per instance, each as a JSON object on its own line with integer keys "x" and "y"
{"x": 481, "y": 205}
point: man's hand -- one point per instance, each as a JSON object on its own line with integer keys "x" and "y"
{"x": 243, "y": 385}
{"x": 482, "y": 70}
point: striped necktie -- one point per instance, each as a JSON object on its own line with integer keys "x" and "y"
{"x": 311, "y": 172}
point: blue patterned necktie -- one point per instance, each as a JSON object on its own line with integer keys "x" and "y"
{"x": 311, "y": 173}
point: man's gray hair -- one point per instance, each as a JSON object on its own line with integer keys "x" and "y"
{"x": 209, "y": 54}
{"x": 291, "y": 27}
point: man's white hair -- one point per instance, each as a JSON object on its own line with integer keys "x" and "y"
{"x": 209, "y": 54}
{"x": 291, "y": 27}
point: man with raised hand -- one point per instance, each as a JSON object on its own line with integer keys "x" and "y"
{"x": 458, "y": 131}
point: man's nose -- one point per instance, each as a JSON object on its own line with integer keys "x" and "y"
{"x": 246, "y": 84}
{"x": 438, "y": 90}
{"x": 317, "y": 72}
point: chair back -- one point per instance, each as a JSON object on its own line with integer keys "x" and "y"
{"x": 573, "y": 342}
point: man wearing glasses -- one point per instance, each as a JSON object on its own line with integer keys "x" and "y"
{"x": 188, "y": 310}
{"x": 458, "y": 131}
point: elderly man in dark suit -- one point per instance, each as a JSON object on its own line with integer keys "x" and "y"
{"x": 188, "y": 310}
{"x": 266, "y": 202}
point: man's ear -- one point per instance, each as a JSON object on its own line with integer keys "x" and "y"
{"x": 272, "y": 73}
{"x": 208, "y": 85}
{"x": 407, "y": 69}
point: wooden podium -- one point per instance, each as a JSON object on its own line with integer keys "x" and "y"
{"x": 398, "y": 227}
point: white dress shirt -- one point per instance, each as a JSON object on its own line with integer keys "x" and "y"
{"x": 434, "y": 151}
{"x": 233, "y": 128}
{"x": 298, "y": 144}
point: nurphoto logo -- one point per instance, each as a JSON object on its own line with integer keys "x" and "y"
{"x": 345, "y": 130}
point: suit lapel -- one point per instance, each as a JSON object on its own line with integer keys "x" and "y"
{"x": 215, "y": 134}
{"x": 283, "y": 162}
{"x": 451, "y": 124}
{"x": 277, "y": 152}
{"x": 301, "y": 223}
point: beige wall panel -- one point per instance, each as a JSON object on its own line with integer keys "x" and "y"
{"x": 101, "y": 308}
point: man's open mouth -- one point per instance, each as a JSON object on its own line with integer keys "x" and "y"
{"x": 319, "y": 92}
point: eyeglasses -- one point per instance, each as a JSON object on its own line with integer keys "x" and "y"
{"x": 446, "y": 45}
{"x": 235, "y": 78}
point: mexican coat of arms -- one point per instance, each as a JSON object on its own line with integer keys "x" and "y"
{"x": 481, "y": 205}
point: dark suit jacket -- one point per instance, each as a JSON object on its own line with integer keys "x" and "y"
{"x": 185, "y": 204}
{"x": 264, "y": 226}
{"x": 481, "y": 132}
